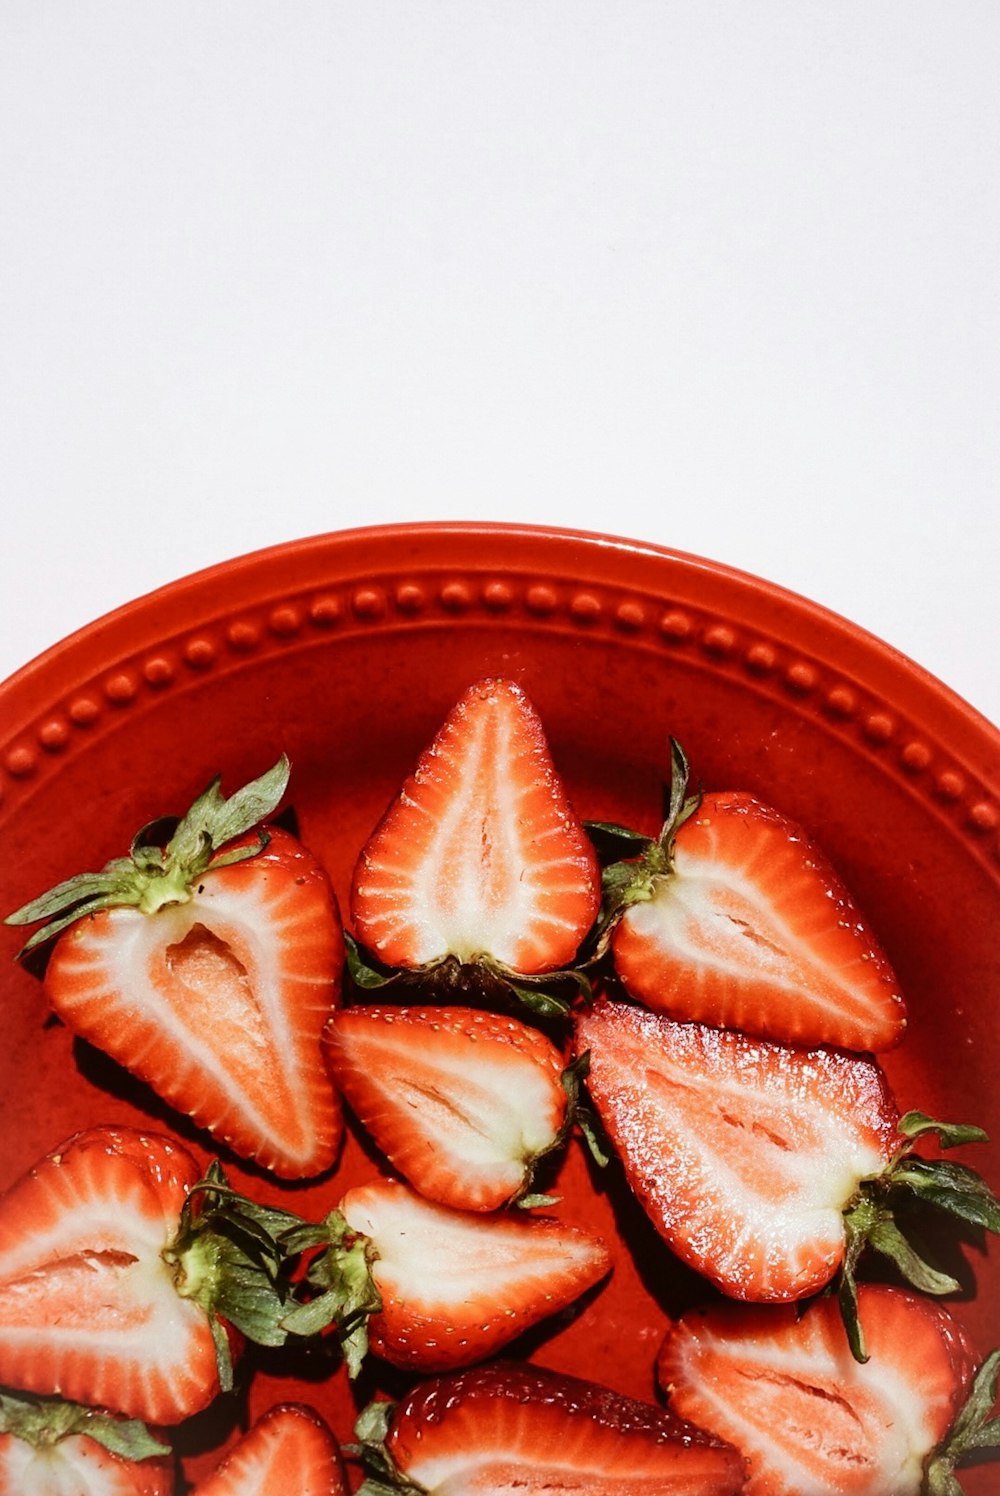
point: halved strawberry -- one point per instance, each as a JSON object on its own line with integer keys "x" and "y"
{"x": 812, "y": 1421}
{"x": 55, "y": 1448}
{"x": 512, "y": 1428}
{"x": 480, "y": 859}
{"x": 460, "y": 1100}
{"x": 289, "y": 1449}
{"x": 430, "y": 1288}
{"x": 767, "y": 1168}
{"x": 121, "y": 1285}
{"x": 208, "y": 969}
{"x": 735, "y": 918}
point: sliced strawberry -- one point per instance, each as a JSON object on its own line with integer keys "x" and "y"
{"x": 771, "y": 1169}
{"x": 481, "y": 858}
{"x": 734, "y": 918}
{"x": 119, "y": 1283}
{"x": 745, "y": 1154}
{"x": 55, "y": 1448}
{"x": 439, "y": 1288}
{"x": 461, "y": 1101}
{"x": 289, "y": 1449}
{"x": 516, "y": 1430}
{"x": 811, "y": 1420}
{"x": 210, "y": 976}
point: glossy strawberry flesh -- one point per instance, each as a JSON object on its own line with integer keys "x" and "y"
{"x": 811, "y": 1420}
{"x": 743, "y": 1153}
{"x": 88, "y": 1307}
{"x": 455, "y": 1286}
{"x": 752, "y": 929}
{"x": 461, "y": 1101}
{"x": 481, "y": 855}
{"x": 77, "y": 1466}
{"x": 219, "y": 1003}
{"x": 290, "y": 1449}
{"x": 518, "y": 1429}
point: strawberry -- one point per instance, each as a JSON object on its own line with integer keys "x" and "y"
{"x": 733, "y": 917}
{"x": 766, "y": 1168}
{"x": 55, "y": 1448}
{"x": 289, "y": 1449}
{"x": 813, "y": 1422}
{"x": 430, "y": 1288}
{"x": 508, "y": 1428}
{"x": 208, "y": 968}
{"x": 480, "y": 860}
{"x": 124, "y": 1287}
{"x": 461, "y": 1101}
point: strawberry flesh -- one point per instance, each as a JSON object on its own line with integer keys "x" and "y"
{"x": 480, "y": 857}
{"x": 457, "y": 1286}
{"x": 743, "y": 1153}
{"x": 461, "y": 1101}
{"x": 810, "y": 1419}
{"x": 504, "y": 1429}
{"x": 289, "y": 1449}
{"x": 88, "y": 1306}
{"x": 219, "y": 1002}
{"x": 751, "y": 928}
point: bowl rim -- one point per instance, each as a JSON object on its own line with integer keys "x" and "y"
{"x": 705, "y": 596}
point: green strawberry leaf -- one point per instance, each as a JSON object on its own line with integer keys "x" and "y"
{"x": 974, "y": 1435}
{"x": 42, "y": 1422}
{"x": 152, "y": 877}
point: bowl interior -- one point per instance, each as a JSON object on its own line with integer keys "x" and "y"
{"x": 346, "y": 652}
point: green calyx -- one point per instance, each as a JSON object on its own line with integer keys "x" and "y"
{"x": 974, "y": 1436}
{"x": 153, "y": 876}
{"x": 633, "y": 865}
{"x": 43, "y": 1422}
{"x": 550, "y": 994}
{"x": 343, "y": 1291}
{"x": 382, "y": 1475}
{"x": 228, "y": 1257}
{"x": 884, "y": 1214}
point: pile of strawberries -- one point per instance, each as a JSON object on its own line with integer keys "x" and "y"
{"x": 703, "y": 1008}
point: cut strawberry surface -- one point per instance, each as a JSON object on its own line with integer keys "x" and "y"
{"x": 734, "y": 918}
{"x": 125, "y": 1287}
{"x": 811, "y": 1420}
{"x": 515, "y": 1430}
{"x": 55, "y": 1448}
{"x": 745, "y": 1154}
{"x": 771, "y": 1170}
{"x": 461, "y": 1101}
{"x": 289, "y": 1449}
{"x": 481, "y": 857}
{"x": 209, "y": 974}
{"x": 431, "y": 1288}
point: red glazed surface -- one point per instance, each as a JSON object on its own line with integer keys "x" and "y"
{"x": 346, "y": 651}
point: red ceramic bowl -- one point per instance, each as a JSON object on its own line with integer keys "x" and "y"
{"x": 347, "y": 650}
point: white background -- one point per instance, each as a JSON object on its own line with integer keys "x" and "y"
{"x": 724, "y": 276}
